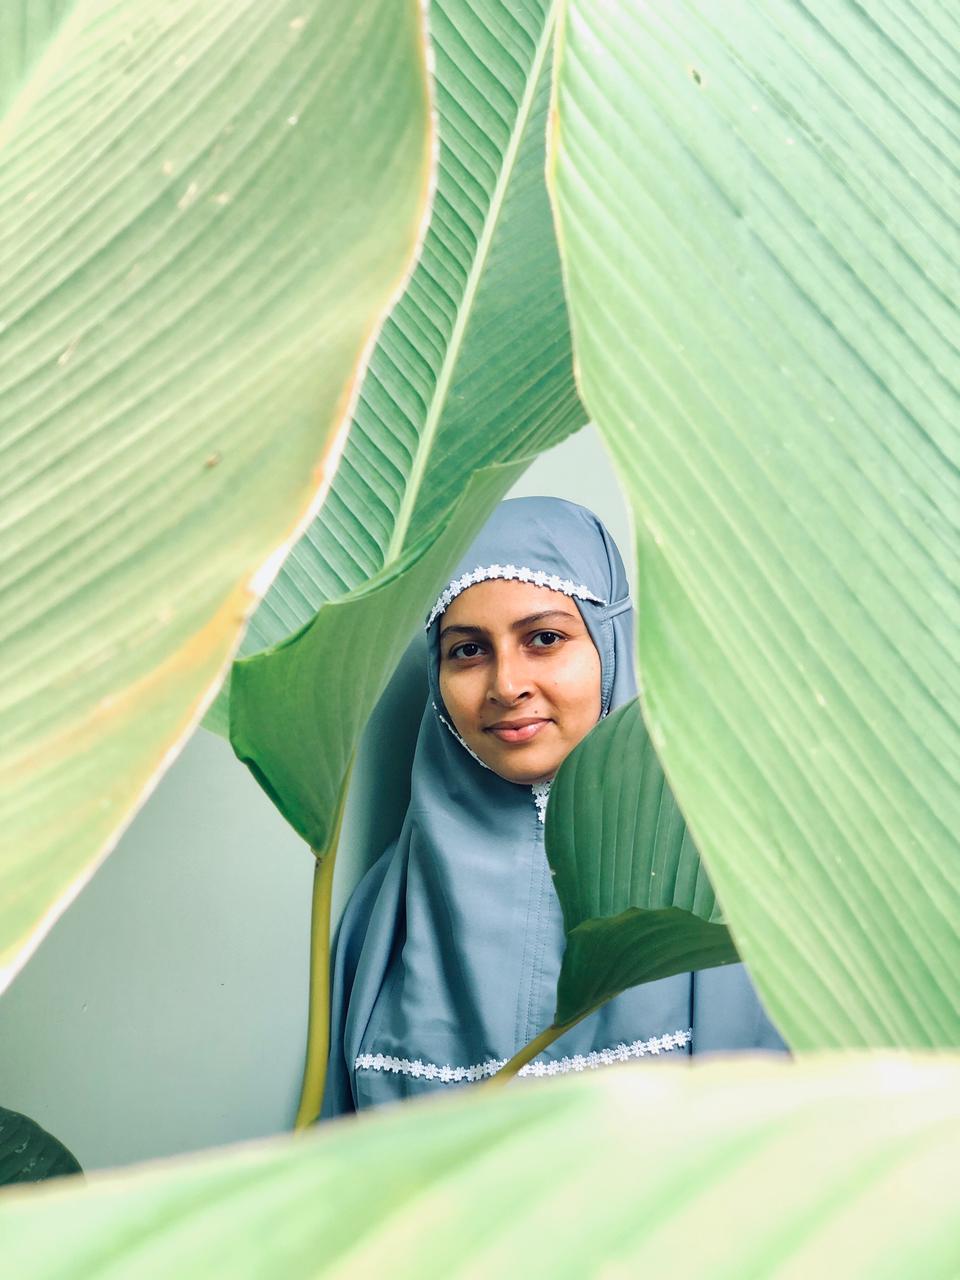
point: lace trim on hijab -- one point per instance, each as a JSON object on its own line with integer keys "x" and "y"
{"x": 576, "y": 1062}
{"x": 508, "y": 573}
{"x": 541, "y": 794}
{"x": 469, "y": 750}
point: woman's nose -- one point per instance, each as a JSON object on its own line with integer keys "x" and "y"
{"x": 509, "y": 681}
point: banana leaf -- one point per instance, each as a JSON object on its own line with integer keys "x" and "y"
{"x": 841, "y": 1166}
{"x": 472, "y": 371}
{"x": 757, "y": 216}
{"x": 637, "y": 903}
{"x": 206, "y": 209}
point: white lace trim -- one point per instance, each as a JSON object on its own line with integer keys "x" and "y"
{"x": 541, "y": 794}
{"x": 509, "y": 573}
{"x": 469, "y": 750}
{"x": 577, "y": 1062}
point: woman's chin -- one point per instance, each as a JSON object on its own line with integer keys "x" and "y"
{"x": 527, "y": 771}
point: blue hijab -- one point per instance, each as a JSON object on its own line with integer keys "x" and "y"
{"x": 449, "y": 951}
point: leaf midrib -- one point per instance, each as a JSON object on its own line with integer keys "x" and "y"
{"x": 490, "y": 223}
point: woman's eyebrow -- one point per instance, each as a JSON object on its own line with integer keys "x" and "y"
{"x": 519, "y": 625}
{"x": 531, "y": 618}
{"x": 467, "y": 631}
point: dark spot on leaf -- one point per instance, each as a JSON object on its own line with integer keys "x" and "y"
{"x": 697, "y": 77}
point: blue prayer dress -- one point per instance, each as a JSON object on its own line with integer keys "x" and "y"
{"x": 448, "y": 954}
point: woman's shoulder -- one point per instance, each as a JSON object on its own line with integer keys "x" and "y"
{"x": 360, "y": 904}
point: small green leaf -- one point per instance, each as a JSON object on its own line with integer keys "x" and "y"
{"x": 30, "y": 1154}
{"x": 637, "y": 904}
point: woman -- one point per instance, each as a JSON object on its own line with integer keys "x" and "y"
{"x": 449, "y": 951}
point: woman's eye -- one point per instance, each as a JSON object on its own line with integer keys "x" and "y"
{"x": 467, "y": 650}
{"x": 547, "y": 639}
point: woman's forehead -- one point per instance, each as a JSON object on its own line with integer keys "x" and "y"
{"x": 501, "y": 604}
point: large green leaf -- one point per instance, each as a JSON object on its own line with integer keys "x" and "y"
{"x": 473, "y": 367}
{"x": 637, "y": 904}
{"x": 205, "y": 208}
{"x": 840, "y": 1167}
{"x": 757, "y": 212}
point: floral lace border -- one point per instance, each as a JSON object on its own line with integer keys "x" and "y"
{"x": 577, "y": 1062}
{"x": 508, "y": 573}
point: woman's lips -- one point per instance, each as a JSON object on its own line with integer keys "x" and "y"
{"x": 520, "y": 732}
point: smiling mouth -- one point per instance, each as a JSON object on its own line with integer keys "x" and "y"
{"x": 519, "y": 731}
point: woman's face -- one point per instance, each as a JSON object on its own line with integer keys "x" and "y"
{"x": 520, "y": 676}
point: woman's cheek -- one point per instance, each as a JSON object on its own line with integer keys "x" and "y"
{"x": 460, "y": 696}
{"x": 579, "y": 683}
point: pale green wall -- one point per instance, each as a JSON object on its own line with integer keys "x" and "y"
{"x": 165, "y": 1011}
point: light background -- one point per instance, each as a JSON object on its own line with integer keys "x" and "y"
{"x": 166, "y": 1011}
